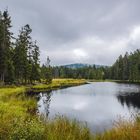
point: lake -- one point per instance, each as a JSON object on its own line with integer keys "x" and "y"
{"x": 98, "y": 104}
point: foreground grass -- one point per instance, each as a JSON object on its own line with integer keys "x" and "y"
{"x": 18, "y": 120}
{"x": 124, "y": 130}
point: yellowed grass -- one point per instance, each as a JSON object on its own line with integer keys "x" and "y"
{"x": 59, "y": 83}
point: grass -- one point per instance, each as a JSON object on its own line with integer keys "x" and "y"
{"x": 59, "y": 83}
{"x": 124, "y": 130}
{"x": 14, "y": 107}
{"x": 18, "y": 120}
{"x": 62, "y": 128}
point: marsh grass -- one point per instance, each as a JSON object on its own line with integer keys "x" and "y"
{"x": 61, "y": 128}
{"x": 58, "y": 83}
{"x": 14, "y": 105}
{"x": 123, "y": 130}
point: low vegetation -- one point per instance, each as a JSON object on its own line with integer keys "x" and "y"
{"x": 58, "y": 83}
{"x": 124, "y": 130}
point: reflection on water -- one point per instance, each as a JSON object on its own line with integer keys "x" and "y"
{"x": 132, "y": 100}
{"x": 44, "y": 104}
{"x": 98, "y": 104}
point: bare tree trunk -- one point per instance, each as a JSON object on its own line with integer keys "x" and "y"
{"x": 2, "y": 79}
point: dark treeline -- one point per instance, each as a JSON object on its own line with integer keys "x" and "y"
{"x": 19, "y": 57}
{"x": 88, "y": 72}
{"x": 126, "y": 67}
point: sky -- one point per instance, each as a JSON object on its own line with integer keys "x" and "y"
{"x": 79, "y": 31}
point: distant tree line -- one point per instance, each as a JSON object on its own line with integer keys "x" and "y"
{"x": 126, "y": 67}
{"x": 87, "y": 72}
{"x": 19, "y": 57}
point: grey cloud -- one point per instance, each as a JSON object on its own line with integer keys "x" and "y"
{"x": 59, "y": 25}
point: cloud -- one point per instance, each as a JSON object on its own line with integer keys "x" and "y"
{"x": 89, "y": 31}
{"x": 135, "y": 37}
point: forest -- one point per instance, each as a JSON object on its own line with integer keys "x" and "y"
{"x": 126, "y": 67}
{"x": 87, "y": 72}
{"x": 19, "y": 57}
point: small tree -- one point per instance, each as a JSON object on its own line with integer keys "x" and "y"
{"x": 35, "y": 63}
{"x": 48, "y": 74}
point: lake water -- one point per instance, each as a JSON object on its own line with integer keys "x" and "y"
{"x": 98, "y": 104}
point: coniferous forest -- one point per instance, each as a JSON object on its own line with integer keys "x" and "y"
{"x": 126, "y": 67}
{"x": 19, "y": 57}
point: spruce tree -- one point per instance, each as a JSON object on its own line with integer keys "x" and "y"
{"x": 5, "y": 45}
{"x": 35, "y": 75}
{"x": 21, "y": 56}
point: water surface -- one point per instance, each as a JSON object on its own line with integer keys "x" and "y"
{"x": 98, "y": 104}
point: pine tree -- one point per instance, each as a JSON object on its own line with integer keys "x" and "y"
{"x": 35, "y": 75}
{"x": 22, "y": 56}
{"x": 5, "y": 44}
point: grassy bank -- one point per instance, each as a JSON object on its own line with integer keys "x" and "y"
{"x": 58, "y": 83}
{"x": 18, "y": 120}
{"x": 117, "y": 81}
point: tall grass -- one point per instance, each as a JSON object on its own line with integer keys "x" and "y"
{"x": 15, "y": 110}
{"x": 124, "y": 130}
{"x": 62, "y": 128}
{"x": 59, "y": 83}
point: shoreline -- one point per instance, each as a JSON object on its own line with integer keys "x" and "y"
{"x": 57, "y": 84}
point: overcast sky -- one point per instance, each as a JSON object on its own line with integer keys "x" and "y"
{"x": 79, "y": 31}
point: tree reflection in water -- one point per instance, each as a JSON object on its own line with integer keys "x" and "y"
{"x": 129, "y": 99}
{"x": 44, "y": 104}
